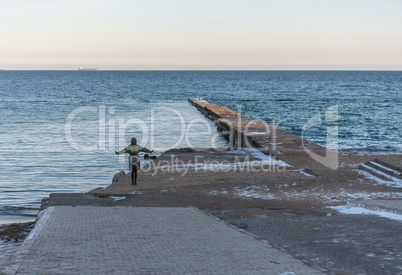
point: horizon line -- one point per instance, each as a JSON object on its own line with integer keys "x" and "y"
{"x": 194, "y": 69}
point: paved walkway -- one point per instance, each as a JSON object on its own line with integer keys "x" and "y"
{"x": 138, "y": 240}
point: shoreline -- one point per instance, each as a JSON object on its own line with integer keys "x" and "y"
{"x": 15, "y": 219}
{"x": 288, "y": 187}
{"x": 215, "y": 198}
{"x": 6, "y": 220}
{"x": 240, "y": 130}
{"x": 362, "y": 154}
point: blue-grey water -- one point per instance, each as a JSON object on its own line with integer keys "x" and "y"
{"x": 59, "y": 129}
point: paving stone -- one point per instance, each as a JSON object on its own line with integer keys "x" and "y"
{"x": 144, "y": 240}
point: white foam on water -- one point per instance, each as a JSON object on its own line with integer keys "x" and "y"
{"x": 9, "y": 219}
{"x": 350, "y": 210}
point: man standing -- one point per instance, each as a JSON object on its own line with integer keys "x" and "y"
{"x": 133, "y": 158}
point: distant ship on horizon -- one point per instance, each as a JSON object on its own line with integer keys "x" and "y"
{"x": 87, "y": 69}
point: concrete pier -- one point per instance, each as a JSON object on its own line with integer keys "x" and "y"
{"x": 242, "y": 131}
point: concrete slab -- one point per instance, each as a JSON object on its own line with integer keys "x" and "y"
{"x": 393, "y": 206}
{"x": 140, "y": 240}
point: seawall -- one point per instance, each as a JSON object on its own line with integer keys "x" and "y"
{"x": 242, "y": 131}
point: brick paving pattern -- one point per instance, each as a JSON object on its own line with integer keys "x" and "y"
{"x": 144, "y": 240}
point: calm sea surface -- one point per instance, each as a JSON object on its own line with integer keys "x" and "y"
{"x": 59, "y": 129}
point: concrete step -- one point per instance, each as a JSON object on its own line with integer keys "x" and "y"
{"x": 375, "y": 173}
{"x": 388, "y": 165}
{"x": 384, "y": 169}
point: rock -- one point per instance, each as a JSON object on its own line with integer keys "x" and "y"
{"x": 241, "y": 225}
{"x": 44, "y": 203}
{"x": 118, "y": 176}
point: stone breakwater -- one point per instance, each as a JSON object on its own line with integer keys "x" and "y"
{"x": 242, "y": 131}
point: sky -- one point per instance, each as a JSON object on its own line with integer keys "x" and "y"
{"x": 201, "y": 34}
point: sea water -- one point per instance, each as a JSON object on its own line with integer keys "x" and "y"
{"x": 59, "y": 129}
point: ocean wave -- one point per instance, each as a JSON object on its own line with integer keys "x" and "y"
{"x": 285, "y": 99}
{"x": 18, "y": 211}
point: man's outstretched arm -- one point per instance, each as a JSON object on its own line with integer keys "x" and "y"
{"x": 122, "y": 151}
{"x": 146, "y": 150}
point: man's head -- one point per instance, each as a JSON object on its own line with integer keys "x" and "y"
{"x": 133, "y": 141}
